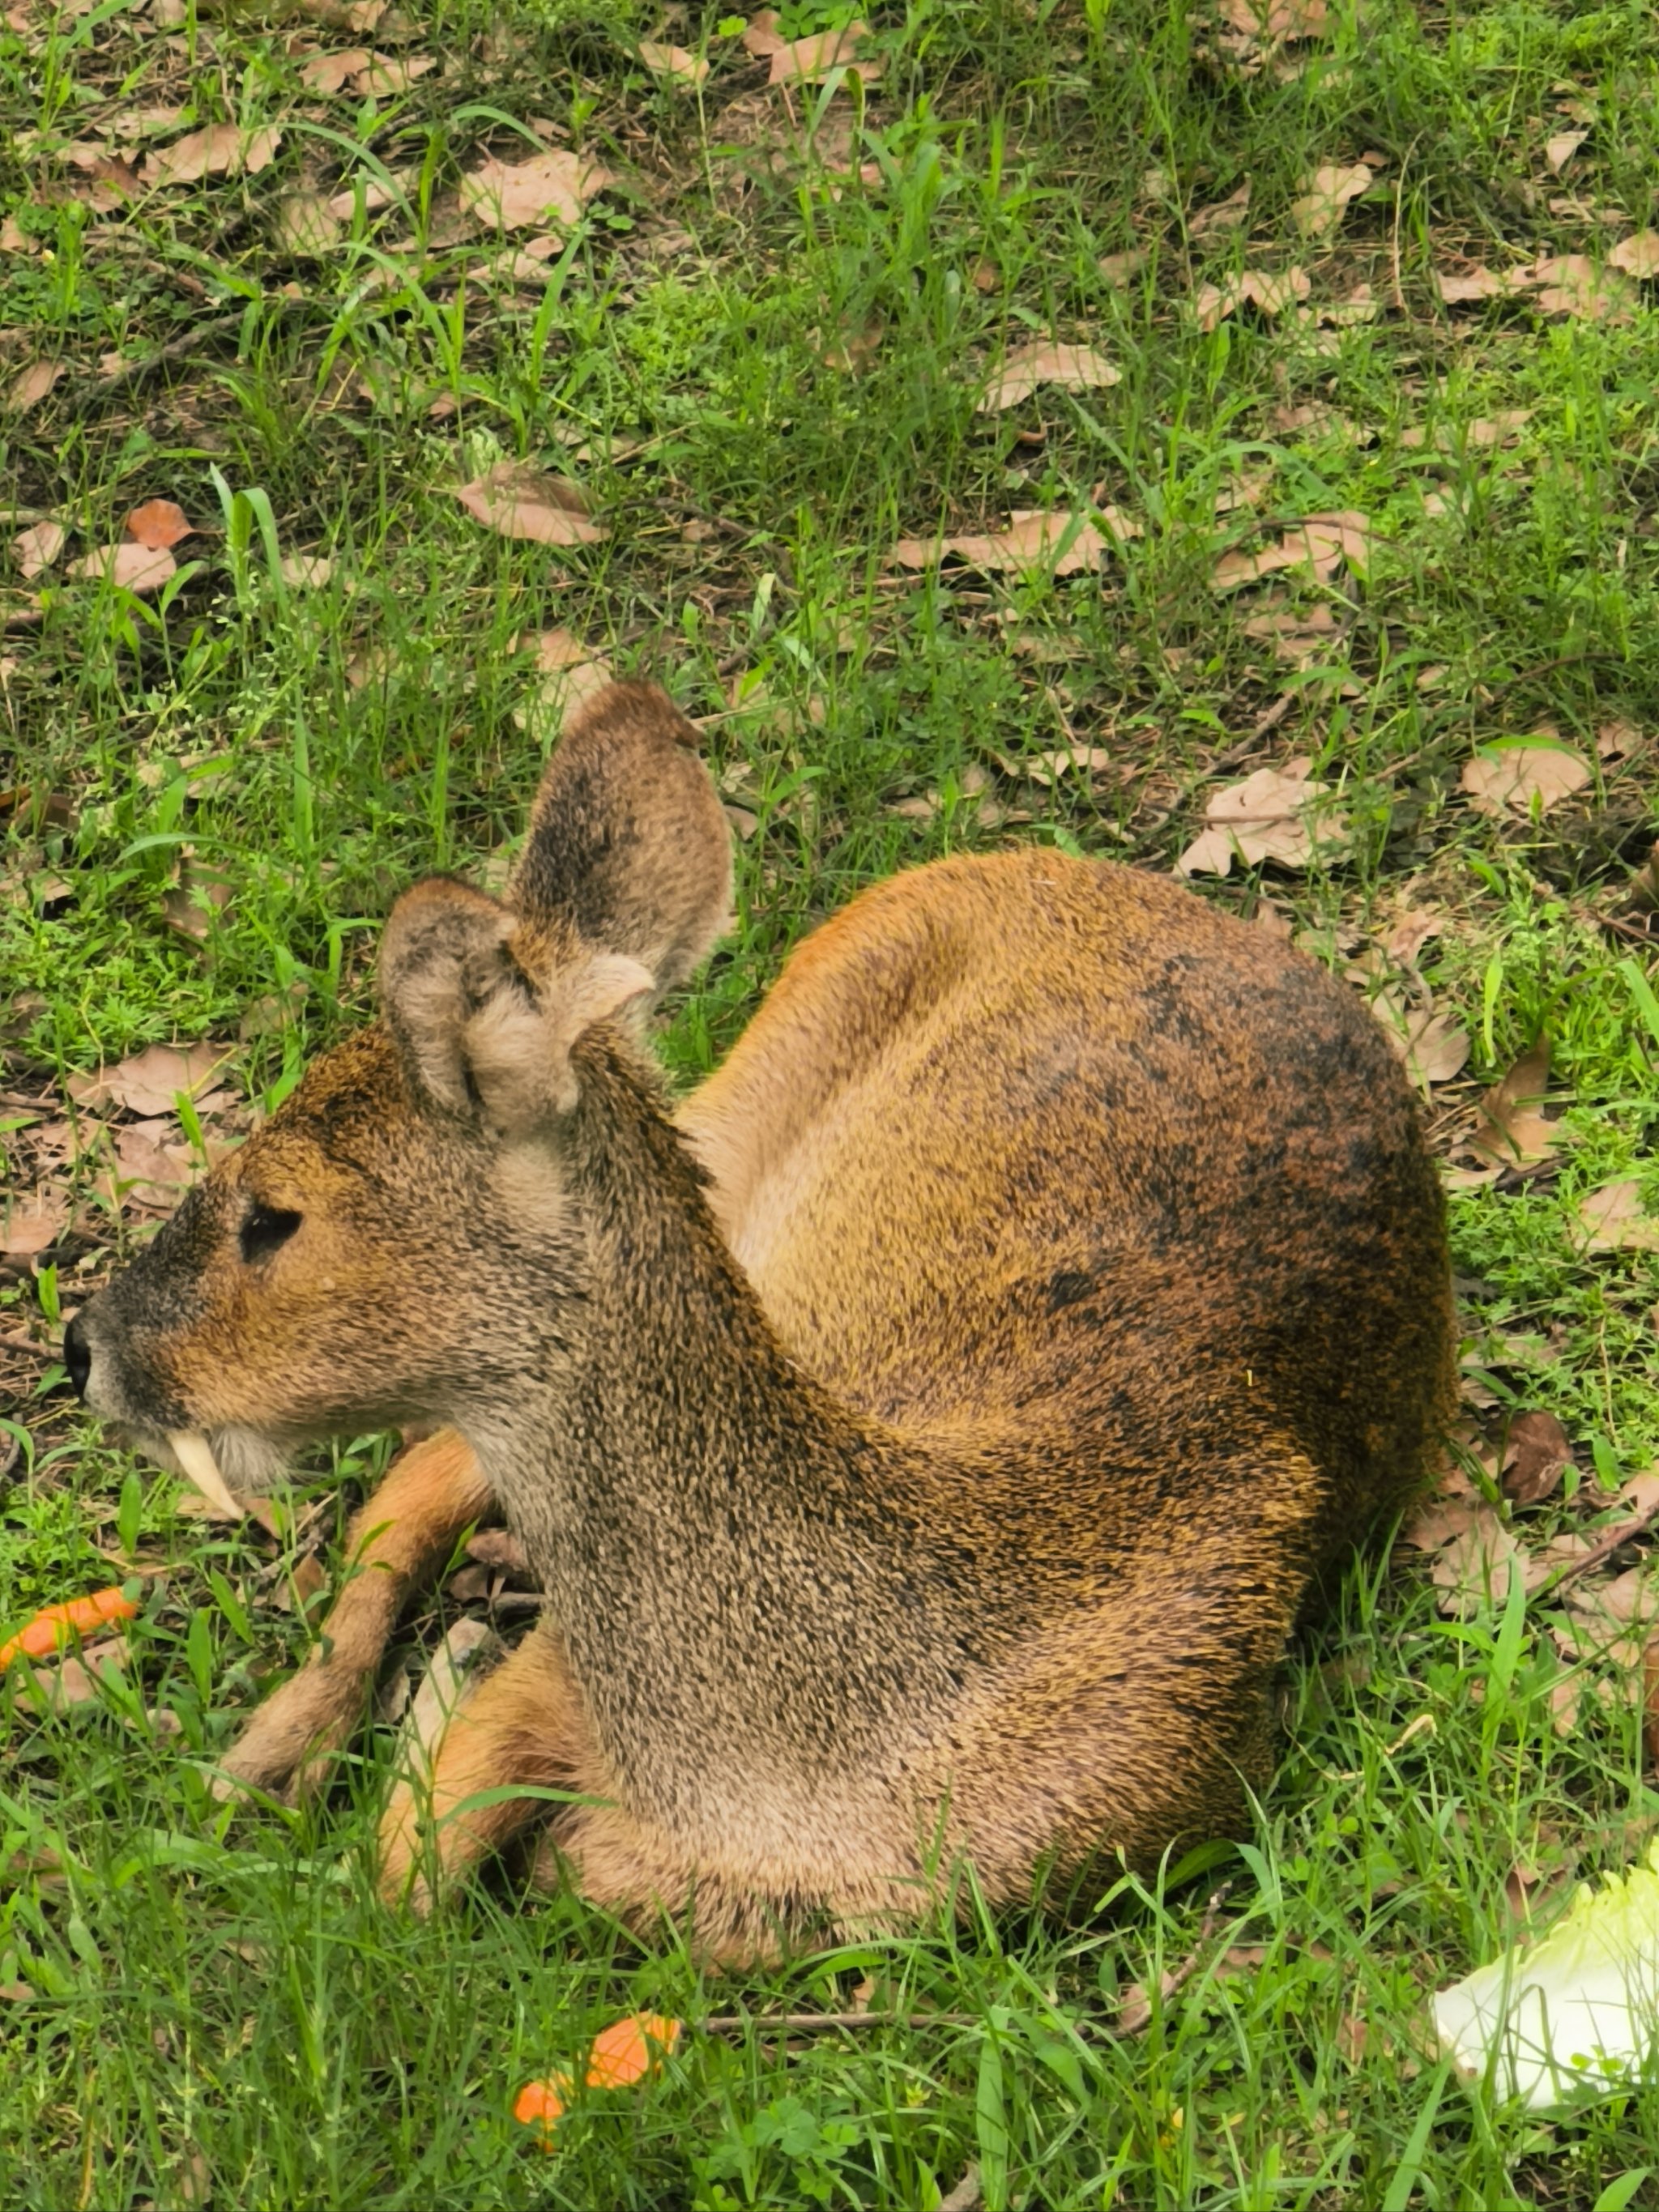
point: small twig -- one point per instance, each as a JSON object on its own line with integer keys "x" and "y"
{"x": 1619, "y": 929}
{"x": 135, "y": 372}
{"x": 822, "y": 2023}
{"x": 14, "y": 1342}
{"x": 1137, "y": 2014}
{"x": 1604, "y": 1550}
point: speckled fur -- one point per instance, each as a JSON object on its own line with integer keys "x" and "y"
{"x": 927, "y": 1439}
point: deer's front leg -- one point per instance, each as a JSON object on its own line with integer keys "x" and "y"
{"x": 397, "y": 1543}
{"x": 522, "y": 1724}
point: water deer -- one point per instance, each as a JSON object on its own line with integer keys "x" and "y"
{"x": 926, "y": 1435}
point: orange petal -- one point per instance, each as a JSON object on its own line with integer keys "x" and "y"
{"x": 54, "y": 1624}
{"x": 624, "y": 2052}
{"x": 541, "y": 2104}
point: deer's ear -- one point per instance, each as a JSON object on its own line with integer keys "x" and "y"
{"x": 628, "y": 846}
{"x": 486, "y": 1023}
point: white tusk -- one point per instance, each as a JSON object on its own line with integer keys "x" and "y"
{"x": 195, "y": 1456}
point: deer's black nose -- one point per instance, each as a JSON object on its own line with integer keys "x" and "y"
{"x": 77, "y": 1355}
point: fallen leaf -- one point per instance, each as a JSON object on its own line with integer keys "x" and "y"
{"x": 1617, "y": 740}
{"x": 1067, "y": 760}
{"x": 305, "y": 572}
{"x": 553, "y": 187}
{"x": 328, "y": 73}
{"x": 55, "y": 1625}
{"x": 1512, "y": 1131}
{"x": 569, "y": 673}
{"x": 762, "y": 37}
{"x": 147, "y": 1082}
{"x": 1458, "y": 288}
{"x": 803, "y": 61}
{"x": 1440, "y": 1520}
{"x": 34, "y": 1227}
{"x": 133, "y": 568}
{"x": 1135, "y": 2011}
{"x": 1261, "y": 288}
{"x": 1032, "y": 540}
{"x": 1073, "y": 367}
{"x": 1472, "y": 1570}
{"x": 1115, "y": 268}
{"x": 1434, "y": 1047}
{"x": 1612, "y": 1220}
{"x": 1637, "y": 255}
{"x": 307, "y": 224}
{"x": 1326, "y": 195}
{"x": 1321, "y": 542}
{"x": 1561, "y": 149}
{"x": 38, "y": 547}
{"x": 153, "y": 1165}
{"x": 29, "y": 388}
{"x": 221, "y": 149}
{"x": 157, "y": 524}
{"x": 1410, "y": 932}
{"x": 1632, "y": 1596}
{"x": 383, "y": 76}
{"x": 673, "y": 63}
{"x": 1536, "y": 1456}
{"x": 518, "y": 500}
{"x": 1277, "y": 21}
{"x": 1277, "y": 814}
{"x": 1510, "y": 776}
{"x": 1223, "y": 214}
{"x": 1301, "y": 635}
{"x": 630, "y": 2051}
{"x": 1570, "y": 284}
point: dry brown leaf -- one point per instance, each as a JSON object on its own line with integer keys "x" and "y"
{"x": 221, "y": 149}
{"x": 328, "y": 73}
{"x": 803, "y": 61}
{"x": 1514, "y": 777}
{"x": 1612, "y": 1220}
{"x": 31, "y": 1226}
{"x": 199, "y": 894}
{"x": 1031, "y": 540}
{"x": 1410, "y": 933}
{"x": 158, "y": 523}
{"x": 1617, "y": 740}
{"x": 1440, "y": 1520}
{"x": 153, "y": 1162}
{"x": 1536, "y": 1456}
{"x": 1301, "y": 635}
{"x": 305, "y": 572}
{"x": 673, "y": 64}
{"x": 762, "y": 38}
{"x": 1325, "y": 198}
{"x": 517, "y": 501}
{"x": 1458, "y": 288}
{"x": 1321, "y": 542}
{"x": 1512, "y": 1131}
{"x": 1472, "y": 1570}
{"x": 553, "y": 187}
{"x": 29, "y": 388}
{"x": 1629, "y": 1598}
{"x": 1067, "y": 760}
{"x": 1278, "y": 22}
{"x": 38, "y": 547}
{"x": 146, "y": 1083}
{"x": 1265, "y": 290}
{"x": 1637, "y": 255}
{"x": 383, "y": 76}
{"x": 1561, "y": 149}
{"x": 1572, "y": 284}
{"x": 1115, "y": 268}
{"x": 1073, "y": 367}
{"x": 307, "y": 224}
{"x": 1434, "y": 1047}
{"x": 134, "y": 568}
{"x": 1224, "y": 215}
{"x": 1277, "y": 814}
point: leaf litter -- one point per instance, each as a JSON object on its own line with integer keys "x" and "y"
{"x": 1278, "y": 814}
{"x": 517, "y": 501}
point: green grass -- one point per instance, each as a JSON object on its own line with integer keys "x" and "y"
{"x": 220, "y": 2002}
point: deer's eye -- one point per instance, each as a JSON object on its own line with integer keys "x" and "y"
{"x": 265, "y": 1228}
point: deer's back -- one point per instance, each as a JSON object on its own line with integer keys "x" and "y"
{"x": 1050, "y": 1150}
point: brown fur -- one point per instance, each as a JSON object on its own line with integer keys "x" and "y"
{"x": 927, "y": 1439}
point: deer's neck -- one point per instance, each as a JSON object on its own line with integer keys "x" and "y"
{"x": 722, "y": 1541}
